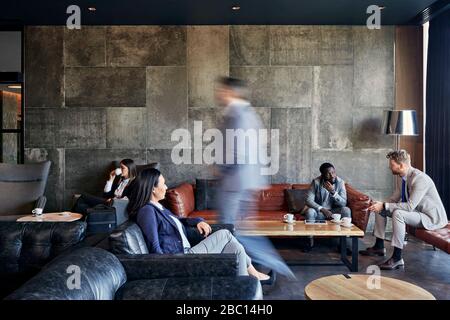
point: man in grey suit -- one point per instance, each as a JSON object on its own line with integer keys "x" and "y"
{"x": 240, "y": 175}
{"x": 327, "y": 195}
{"x": 416, "y": 203}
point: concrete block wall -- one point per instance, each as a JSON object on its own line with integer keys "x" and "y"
{"x": 104, "y": 93}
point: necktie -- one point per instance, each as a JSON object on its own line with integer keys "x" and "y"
{"x": 403, "y": 190}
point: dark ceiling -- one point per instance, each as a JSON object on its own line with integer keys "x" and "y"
{"x": 164, "y": 12}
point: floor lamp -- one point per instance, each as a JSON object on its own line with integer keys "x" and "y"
{"x": 400, "y": 123}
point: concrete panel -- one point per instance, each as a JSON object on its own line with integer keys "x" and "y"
{"x": 41, "y": 127}
{"x": 166, "y": 104}
{"x": 278, "y": 87}
{"x": 44, "y": 66}
{"x": 87, "y": 169}
{"x": 336, "y": 45}
{"x": 333, "y": 108}
{"x": 85, "y": 47}
{"x": 176, "y": 174}
{"x": 126, "y": 128}
{"x": 55, "y": 184}
{"x": 374, "y": 66}
{"x": 295, "y": 45}
{"x": 249, "y": 45}
{"x": 105, "y": 87}
{"x": 146, "y": 46}
{"x": 295, "y": 145}
{"x": 367, "y": 129}
{"x": 81, "y": 128}
{"x": 365, "y": 170}
{"x": 207, "y": 59}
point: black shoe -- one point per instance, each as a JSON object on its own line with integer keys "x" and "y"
{"x": 270, "y": 282}
{"x": 373, "y": 252}
{"x": 391, "y": 264}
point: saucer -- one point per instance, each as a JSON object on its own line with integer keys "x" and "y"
{"x": 347, "y": 225}
{"x": 337, "y": 222}
{"x": 285, "y": 221}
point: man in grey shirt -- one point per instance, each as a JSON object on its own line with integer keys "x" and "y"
{"x": 326, "y": 196}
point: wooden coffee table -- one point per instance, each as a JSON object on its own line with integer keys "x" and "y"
{"x": 354, "y": 287}
{"x": 52, "y": 217}
{"x": 300, "y": 229}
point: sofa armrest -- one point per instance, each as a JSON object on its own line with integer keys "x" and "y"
{"x": 195, "y": 237}
{"x": 358, "y": 202}
{"x": 153, "y": 266}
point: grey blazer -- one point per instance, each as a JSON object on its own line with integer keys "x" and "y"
{"x": 423, "y": 198}
{"x": 318, "y": 196}
{"x": 243, "y": 173}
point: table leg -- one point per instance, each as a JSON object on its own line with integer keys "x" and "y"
{"x": 355, "y": 254}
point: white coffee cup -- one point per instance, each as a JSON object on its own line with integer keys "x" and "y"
{"x": 346, "y": 221}
{"x": 118, "y": 171}
{"x": 336, "y": 217}
{"x": 37, "y": 211}
{"x": 288, "y": 217}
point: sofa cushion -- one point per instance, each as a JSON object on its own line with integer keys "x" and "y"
{"x": 208, "y": 215}
{"x": 180, "y": 200}
{"x": 205, "y": 192}
{"x": 200, "y": 288}
{"x": 272, "y": 198}
{"x": 296, "y": 199}
{"x": 101, "y": 275}
{"x": 439, "y": 238}
{"x": 28, "y": 246}
{"x": 127, "y": 239}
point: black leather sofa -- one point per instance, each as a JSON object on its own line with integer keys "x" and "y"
{"x": 105, "y": 276}
{"x": 25, "y": 247}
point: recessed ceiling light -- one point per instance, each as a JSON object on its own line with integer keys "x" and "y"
{"x": 92, "y": 9}
{"x": 14, "y": 86}
{"x": 235, "y": 8}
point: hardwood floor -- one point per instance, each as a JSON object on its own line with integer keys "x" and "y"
{"x": 424, "y": 267}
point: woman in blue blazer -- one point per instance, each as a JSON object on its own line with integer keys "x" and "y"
{"x": 165, "y": 232}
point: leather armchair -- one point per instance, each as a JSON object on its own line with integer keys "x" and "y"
{"x": 25, "y": 247}
{"x": 103, "y": 276}
{"x": 22, "y": 188}
{"x": 128, "y": 243}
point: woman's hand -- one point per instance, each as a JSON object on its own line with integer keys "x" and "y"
{"x": 204, "y": 228}
{"x": 112, "y": 175}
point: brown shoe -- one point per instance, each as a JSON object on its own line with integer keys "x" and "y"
{"x": 373, "y": 252}
{"x": 391, "y": 264}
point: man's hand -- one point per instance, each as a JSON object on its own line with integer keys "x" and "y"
{"x": 329, "y": 186}
{"x": 376, "y": 206}
{"x": 326, "y": 212}
{"x": 204, "y": 228}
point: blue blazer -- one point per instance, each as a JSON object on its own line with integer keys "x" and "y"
{"x": 160, "y": 231}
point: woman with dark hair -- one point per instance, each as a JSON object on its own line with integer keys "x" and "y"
{"x": 165, "y": 232}
{"x": 117, "y": 186}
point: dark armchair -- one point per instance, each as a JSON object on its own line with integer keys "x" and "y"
{"x": 104, "y": 276}
{"x": 22, "y": 188}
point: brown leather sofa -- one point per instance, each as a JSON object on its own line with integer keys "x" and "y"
{"x": 438, "y": 238}
{"x": 271, "y": 204}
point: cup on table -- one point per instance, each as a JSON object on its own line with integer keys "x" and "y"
{"x": 37, "y": 211}
{"x": 346, "y": 221}
{"x": 288, "y": 217}
{"x": 336, "y": 217}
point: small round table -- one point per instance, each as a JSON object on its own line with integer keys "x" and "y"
{"x": 358, "y": 287}
{"x": 52, "y": 217}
